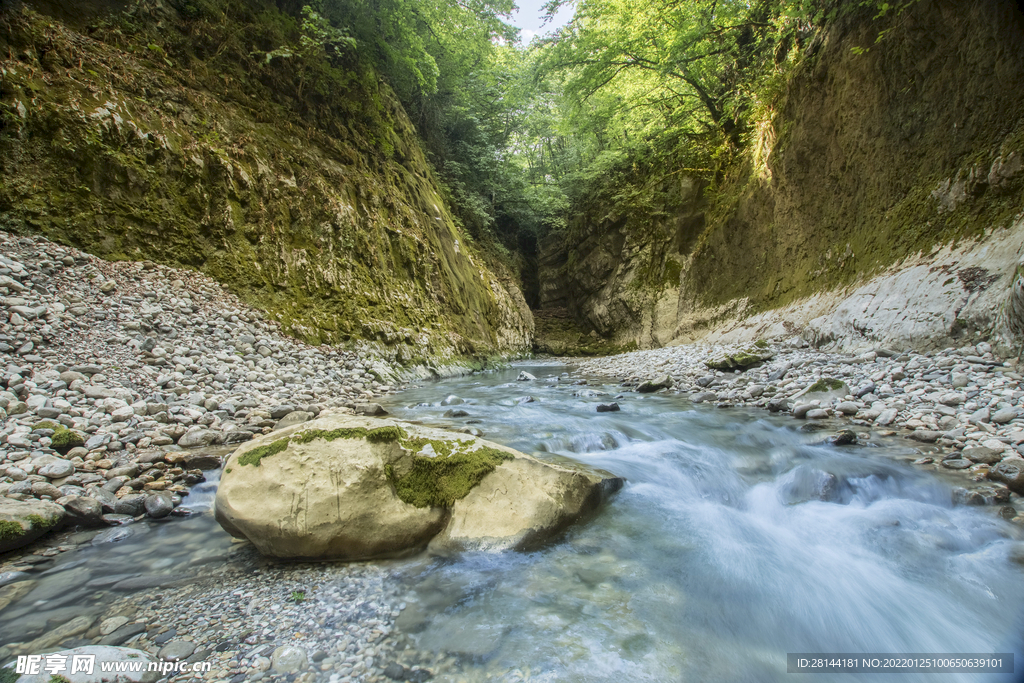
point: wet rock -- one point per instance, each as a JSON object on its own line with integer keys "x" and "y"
{"x": 455, "y": 413}
{"x": 113, "y": 535}
{"x": 524, "y": 376}
{"x": 608, "y": 407}
{"x": 650, "y": 386}
{"x": 984, "y": 455}
{"x": 844, "y": 437}
{"x": 158, "y": 506}
{"x": 957, "y": 464}
{"x": 82, "y": 510}
{"x": 520, "y": 502}
{"x": 925, "y": 435}
{"x": 452, "y": 400}
{"x": 805, "y": 483}
{"x": 123, "y": 634}
{"x": 1009, "y": 472}
{"x": 288, "y": 659}
{"x": 847, "y": 408}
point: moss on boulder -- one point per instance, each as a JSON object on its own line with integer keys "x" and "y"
{"x": 442, "y": 480}
{"x": 354, "y": 488}
{"x": 23, "y": 521}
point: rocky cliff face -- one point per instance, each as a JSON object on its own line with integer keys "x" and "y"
{"x": 907, "y": 156}
{"x": 174, "y": 135}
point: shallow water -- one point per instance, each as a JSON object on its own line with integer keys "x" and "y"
{"x": 717, "y": 558}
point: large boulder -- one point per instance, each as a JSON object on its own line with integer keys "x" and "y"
{"x": 354, "y": 488}
{"x": 23, "y": 521}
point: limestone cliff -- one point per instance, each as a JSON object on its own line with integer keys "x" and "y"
{"x": 173, "y": 131}
{"x": 878, "y": 203}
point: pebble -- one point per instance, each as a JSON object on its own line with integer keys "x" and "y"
{"x": 108, "y": 368}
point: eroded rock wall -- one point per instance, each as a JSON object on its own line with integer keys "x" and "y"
{"x": 901, "y": 159}
{"x": 160, "y": 135}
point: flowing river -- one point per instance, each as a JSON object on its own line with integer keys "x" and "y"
{"x": 737, "y": 539}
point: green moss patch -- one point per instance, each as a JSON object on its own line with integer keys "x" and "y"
{"x": 65, "y": 439}
{"x": 376, "y": 435}
{"x": 442, "y": 480}
{"x": 825, "y": 384}
{"x": 254, "y": 456}
{"x": 40, "y": 522}
{"x": 10, "y": 530}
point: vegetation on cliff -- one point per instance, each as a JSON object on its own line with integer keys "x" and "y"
{"x": 396, "y": 170}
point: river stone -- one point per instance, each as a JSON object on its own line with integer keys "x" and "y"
{"x": 195, "y": 461}
{"x": 886, "y": 417}
{"x": 34, "y": 517}
{"x": 102, "y": 653}
{"x": 1003, "y": 416}
{"x": 805, "y": 483}
{"x": 957, "y": 464}
{"x": 925, "y": 435}
{"x": 1011, "y": 473}
{"x": 113, "y": 535}
{"x": 277, "y": 412}
{"x": 289, "y": 659}
{"x": 452, "y": 400}
{"x": 370, "y": 409}
{"x": 158, "y": 505}
{"x": 653, "y": 385}
{"x": 291, "y": 419}
{"x": 176, "y": 650}
{"x": 108, "y": 626}
{"x": 123, "y": 634}
{"x": 608, "y": 407}
{"x": 825, "y": 390}
{"x": 199, "y": 437}
{"x": 984, "y": 455}
{"x": 332, "y": 499}
{"x": 79, "y": 624}
{"x": 800, "y": 411}
{"x": 847, "y": 408}
{"x": 98, "y": 440}
{"x": 82, "y": 510}
{"x": 739, "y": 360}
{"x": 132, "y": 504}
{"x": 524, "y": 376}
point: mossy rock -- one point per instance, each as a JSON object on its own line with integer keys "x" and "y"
{"x": 64, "y": 439}
{"x": 355, "y": 488}
{"x": 23, "y": 521}
{"x": 741, "y": 360}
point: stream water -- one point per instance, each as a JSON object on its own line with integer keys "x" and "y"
{"x": 737, "y": 539}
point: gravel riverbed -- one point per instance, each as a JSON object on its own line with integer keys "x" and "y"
{"x": 152, "y": 369}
